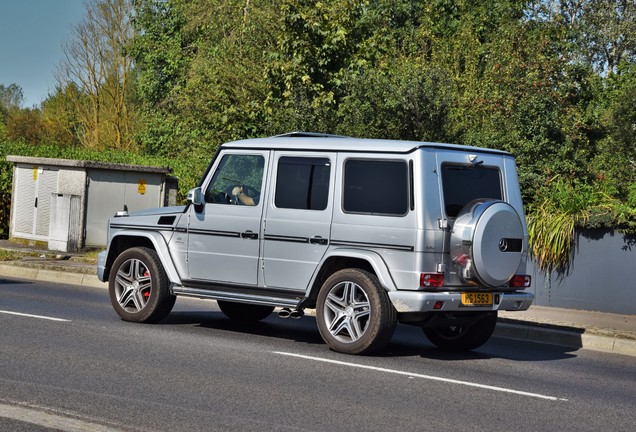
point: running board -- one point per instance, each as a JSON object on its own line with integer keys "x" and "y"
{"x": 264, "y": 300}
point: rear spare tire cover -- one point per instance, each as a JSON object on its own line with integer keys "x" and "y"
{"x": 487, "y": 242}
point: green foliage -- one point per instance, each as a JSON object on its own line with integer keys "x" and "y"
{"x": 615, "y": 160}
{"x": 401, "y": 102}
{"x": 25, "y": 124}
{"x": 552, "y": 221}
{"x": 62, "y": 127}
{"x": 201, "y": 72}
{"x": 7, "y": 255}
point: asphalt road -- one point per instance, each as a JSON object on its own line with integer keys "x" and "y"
{"x": 68, "y": 363}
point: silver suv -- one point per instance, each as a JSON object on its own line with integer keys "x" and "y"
{"x": 368, "y": 233}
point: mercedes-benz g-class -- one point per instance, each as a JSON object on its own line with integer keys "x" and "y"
{"x": 367, "y": 232}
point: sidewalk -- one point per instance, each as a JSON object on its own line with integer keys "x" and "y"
{"x": 612, "y": 333}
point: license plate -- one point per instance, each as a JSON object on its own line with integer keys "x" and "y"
{"x": 476, "y": 299}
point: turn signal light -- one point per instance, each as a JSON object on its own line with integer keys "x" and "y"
{"x": 431, "y": 279}
{"x": 520, "y": 281}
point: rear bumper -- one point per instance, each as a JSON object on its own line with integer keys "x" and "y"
{"x": 418, "y": 301}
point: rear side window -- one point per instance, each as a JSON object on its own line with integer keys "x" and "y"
{"x": 302, "y": 183}
{"x": 464, "y": 183}
{"x": 379, "y": 187}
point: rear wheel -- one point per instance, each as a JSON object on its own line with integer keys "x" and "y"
{"x": 463, "y": 338}
{"x": 138, "y": 286}
{"x": 354, "y": 313}
{"x": 244, "y": 312}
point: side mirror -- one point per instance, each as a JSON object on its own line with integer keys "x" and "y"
{"x": 195, "y": 196}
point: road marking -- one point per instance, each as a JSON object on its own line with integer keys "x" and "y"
{"x": 428, "y": 377}
{"x": 34, "y": 316}
{"x": 53, "y": 421}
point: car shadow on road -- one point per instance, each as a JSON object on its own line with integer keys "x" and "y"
{"x": 408, "y": 341}
{"x": 298, "y": 330}
{"x": 14, "y": 282}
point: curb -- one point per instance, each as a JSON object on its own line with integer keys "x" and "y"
{"x": 45, "y": 275}
{"x": 567, "y": 337}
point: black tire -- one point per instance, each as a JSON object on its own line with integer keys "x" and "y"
{"x": 354, "y": 313}
{"x": 138, "y": 286}
{"x": 463, "y": 338}
{"x": 244, "y": 312}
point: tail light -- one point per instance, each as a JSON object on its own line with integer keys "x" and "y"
{"x": 520, "y": 281}
{"x": 431, "y": 279}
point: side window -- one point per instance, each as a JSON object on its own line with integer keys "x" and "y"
{"x": 302, "y": 183}
{"x": 464, "y": 183}
{"x": 376, "y": 187}
{"x": 237, "y": 180}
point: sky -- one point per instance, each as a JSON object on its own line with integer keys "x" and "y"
{"x": 32, "y": 34}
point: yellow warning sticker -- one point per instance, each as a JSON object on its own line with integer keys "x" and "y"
{"x": 141, "y": 186}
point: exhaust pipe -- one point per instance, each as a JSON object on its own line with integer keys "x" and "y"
{"x": 293, "y": 314}
{"x": 284, "y": 313}
{"x": 297, "y": 314}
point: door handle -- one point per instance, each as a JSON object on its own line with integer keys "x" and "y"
{"x": 249, "y": 235}
{"x": 318, "y": 240}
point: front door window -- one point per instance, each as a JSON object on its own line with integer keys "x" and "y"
{"x": 237, "y": 180}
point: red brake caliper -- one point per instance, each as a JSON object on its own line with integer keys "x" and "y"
{"x": 146, "y": 293}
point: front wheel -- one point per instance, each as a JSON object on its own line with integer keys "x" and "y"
{"x": 463, "y": 337}
{"x": 354, "y": 313}
{"x": 138, "y": 286}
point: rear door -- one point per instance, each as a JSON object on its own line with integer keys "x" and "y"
{"x": 298, "y": 218}
{"x": 466, "y": 177}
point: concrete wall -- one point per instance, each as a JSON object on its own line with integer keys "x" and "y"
{"x": 600, "y": 278}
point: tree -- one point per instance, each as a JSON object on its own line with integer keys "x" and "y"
{"x": 60, "y": 118}
{"x": 405, "y": 100}
{"x": 307, "y": 67}
{"x": 201, "y": 71}
{"x": 606, "y": 33}
{"x": 25, "y": 124}
{"x": 10, "y": 96}
{"x": 10, "y": 99}
{"x": 96, "y": 62}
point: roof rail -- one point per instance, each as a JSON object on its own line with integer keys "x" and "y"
{"x": 299, "y": 134}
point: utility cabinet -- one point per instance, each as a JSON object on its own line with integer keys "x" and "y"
{"x": 44, "y": 189}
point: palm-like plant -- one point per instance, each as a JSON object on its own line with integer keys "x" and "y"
{"x": 560, "y": 209}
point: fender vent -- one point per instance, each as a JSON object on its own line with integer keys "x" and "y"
{"x": 166, "y": 220}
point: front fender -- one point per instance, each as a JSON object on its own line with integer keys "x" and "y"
{"x": 136, "y": 238}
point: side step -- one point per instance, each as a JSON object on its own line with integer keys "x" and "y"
{"x": 264, "y": 299}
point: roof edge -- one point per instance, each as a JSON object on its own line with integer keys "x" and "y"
{"x": 72, "y": 163}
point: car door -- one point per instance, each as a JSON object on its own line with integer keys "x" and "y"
{"x": 224, "y": 234}
{"x": 298, "y": 218}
